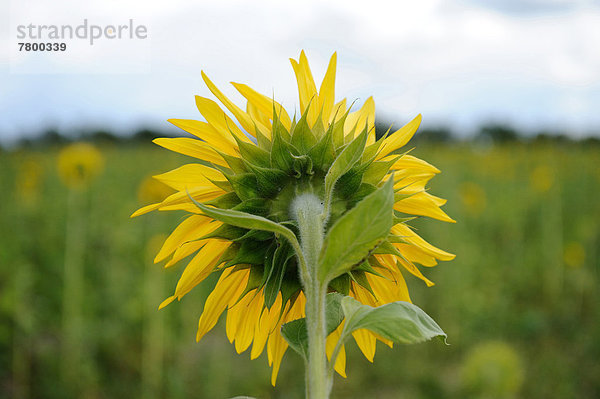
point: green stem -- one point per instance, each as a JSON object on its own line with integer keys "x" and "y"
{"x": 308, "y": 211}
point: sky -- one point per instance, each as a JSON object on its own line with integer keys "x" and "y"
{"x": 533, "y": 64}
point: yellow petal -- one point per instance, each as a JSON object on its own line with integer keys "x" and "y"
{"x": 190, "y": 176}
{"x": 307, "y": 89}
{"x": 421, "y": 204}
{"x": 366, "y": 343}
{"x": 248, "y": 322}
{"x": 229, "y": 287}
{"x": 184, "y": 251}
{"x": 200, "y": 266}
{"x": 276, "y": 348}
{"x": 327, "y": 90}
{"x": 206, "y": 132}
{"x": 413, "y": 238}
{"x": 189, "y": 229}
{"x": 407, "y": 161}
{"x": 356, "y": 121}
{"x": 258, "y": 116}
{"x": 266, "y": 324}
{"x": 263, "y": 103}
{"x": 243, "y": 118}
{"x": 399, "y": 138}
{"x": 191, "y": 147}
{"x": 218, "y": 119}
{"x": 414, "y": 270}
{"x": 330, "y": 343}
{"x": 389, "y": 288}
{"x": 415, "y": 254}
{"x": 166, "y": 302}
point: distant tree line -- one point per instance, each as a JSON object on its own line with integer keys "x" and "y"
{"x": 492, "y": 134}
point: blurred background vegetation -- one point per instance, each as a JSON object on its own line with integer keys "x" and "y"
{"x": 79, "y": 292}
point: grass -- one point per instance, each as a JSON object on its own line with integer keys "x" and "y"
{"x": 520, "y": 303}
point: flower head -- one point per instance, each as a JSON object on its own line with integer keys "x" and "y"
{"x": 79, "y": 164}
{"x": 259, "y": 162}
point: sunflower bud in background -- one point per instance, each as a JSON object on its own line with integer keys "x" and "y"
{"x": 293, "y": 212}
{"x": 79, "y": 164}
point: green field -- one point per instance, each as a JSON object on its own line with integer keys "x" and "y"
{"x": 520, "y": 303}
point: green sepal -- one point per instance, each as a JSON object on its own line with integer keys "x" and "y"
{"x": 262, "y": 141}
{"x": 281, "y": 150}
{"x": 275, "y": 272}
{"x": 364, "y": 190}
{"x": 377, "y": 171}
{"x": 302, "y": 165}
{"x": 360, "y": 278}
{"x": 252, "y": 153}
{"x": 341, "y": 284}
{"x": 371, "y": 150}
{"x": 344, "y": 162}
{"x": 269, "y": 181}
{"x": 323, "y": 153}
{"x": 399, "y": 218}
{"x": 255, "y": 206}
{"x": 222, "y": 184}
{"x": 386, "y": 248}
{"x": 225, "y": 201}
{"x": 338, "y": 131}
{"x": 302, "y": 136}
{"x": 350, "y": 182}
{"x": 225, "y": 232}
{"x": 244, "y": 185}
{"x": 367, "y": 267}
{"x": 258, "y": 235}
{"x": 235, "y": 164}
{"x": 229, "y": 253}
{"x": 251, "y": 252}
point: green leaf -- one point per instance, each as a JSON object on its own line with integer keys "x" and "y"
{"x": 400, "y": 322}
{"x": 296, "y": 334}
{"x": 247, "y": 221}
{"x": 342, "y": 164}
{"x": 356, "y": 233}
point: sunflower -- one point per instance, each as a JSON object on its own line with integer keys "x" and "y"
{"x": 259, "y": 164}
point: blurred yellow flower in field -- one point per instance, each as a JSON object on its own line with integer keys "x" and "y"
{"x": 473, "y": 197}
{"x": 493, "y": 370}
{"x": 574, "y": 254}
{"x": 79, "y": 164}
{"x": 29, "y": 176}
{"x": 260, "y": 165}
{"x": 541, "y": 178}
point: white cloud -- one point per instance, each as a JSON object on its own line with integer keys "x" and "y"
{"x": 460, "y": 62}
